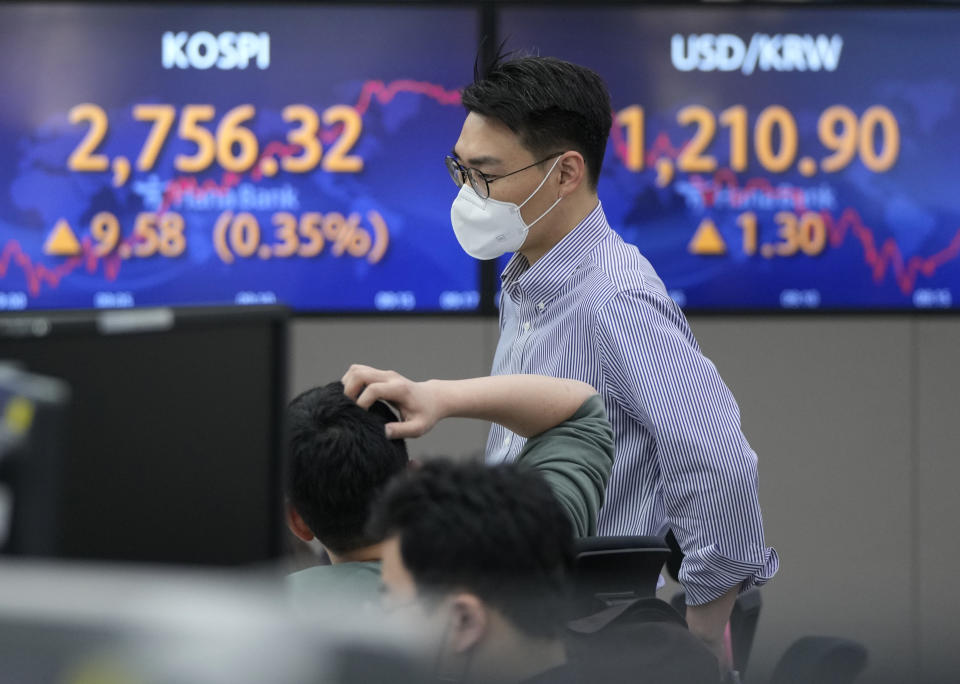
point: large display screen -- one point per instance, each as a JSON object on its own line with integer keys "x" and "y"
{"x": 762, "y": 158}
{"x": 187, "y": 154}
{"x": 765, "y": 159}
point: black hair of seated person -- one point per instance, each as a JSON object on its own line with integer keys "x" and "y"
{"x": 496, "y": 532}
{"x": 339, "y": 459}
{"x": 552, "y": 106}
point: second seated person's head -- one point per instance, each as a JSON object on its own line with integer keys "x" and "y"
{"x": 339, "y": 460}
{"x": 478, "y": 559}
{"x": 534, "y": 138}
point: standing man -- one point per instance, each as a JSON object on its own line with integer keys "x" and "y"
{"x": 578, "y": 302}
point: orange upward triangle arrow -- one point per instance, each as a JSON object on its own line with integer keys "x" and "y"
{"x": 707, "y": 241}
{"x": 62, "y": 241}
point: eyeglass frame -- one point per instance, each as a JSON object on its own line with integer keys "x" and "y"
{"x": 453, "y": 164}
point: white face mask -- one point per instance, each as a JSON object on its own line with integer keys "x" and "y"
{"x": 488, "y": 228}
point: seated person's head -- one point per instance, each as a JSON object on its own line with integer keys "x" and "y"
{"x": 482, "y": 556}
{"x": 339, "y": 460}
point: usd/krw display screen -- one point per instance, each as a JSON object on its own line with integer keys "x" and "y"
{"x": 196, "y": 154}
{"x": 770, "y": 159}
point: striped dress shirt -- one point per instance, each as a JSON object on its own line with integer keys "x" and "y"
{"x": 593, "y": 309}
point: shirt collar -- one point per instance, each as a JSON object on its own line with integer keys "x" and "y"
{"x": 544, "y": 279}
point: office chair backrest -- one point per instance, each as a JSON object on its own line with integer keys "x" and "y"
{"x": 820, "y": 660}
{"x": 609, "y": 570}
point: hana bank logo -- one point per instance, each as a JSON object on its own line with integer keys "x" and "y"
{"x": 204, "y": 50}
{"x": 781, "y": 52}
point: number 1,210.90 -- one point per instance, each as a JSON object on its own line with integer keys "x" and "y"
{"x": 874, "y": 137}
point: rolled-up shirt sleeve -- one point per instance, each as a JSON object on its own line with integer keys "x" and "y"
{"x": 655, "y": 370}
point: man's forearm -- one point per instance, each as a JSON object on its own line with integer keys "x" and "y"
{"x": 709, "y": 621}
{"x": 525, "y": 404}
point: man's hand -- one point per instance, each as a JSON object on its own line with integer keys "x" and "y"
{"x": 709, "y": 623}
{"x": 419, "y": 404}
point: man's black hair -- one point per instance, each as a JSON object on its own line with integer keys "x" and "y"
{"x": 339, "y": 460}
{"x": 497, "y": 532}
{"x": 552, "y": 105}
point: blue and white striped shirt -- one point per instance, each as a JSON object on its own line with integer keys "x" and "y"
{"x": 593, "y": 309}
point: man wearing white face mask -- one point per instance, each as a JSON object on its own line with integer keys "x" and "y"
{"x": 487, "y": 227}
{"x": 578, "y": 302}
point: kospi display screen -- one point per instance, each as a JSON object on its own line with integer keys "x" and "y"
{"x": 184, "y": 154}
{"x": 765, "y": 159}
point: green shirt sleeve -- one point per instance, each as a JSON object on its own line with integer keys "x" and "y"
{"x": 575, "y": 458}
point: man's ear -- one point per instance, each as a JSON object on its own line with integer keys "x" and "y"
{"x": 297, "y": 526}
{"x": 573, "y": 172}
{"x": 470, "y": 622}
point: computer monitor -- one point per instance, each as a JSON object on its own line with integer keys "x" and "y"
{"x": 173, "y": 440}
{"x": 32, "y": 414}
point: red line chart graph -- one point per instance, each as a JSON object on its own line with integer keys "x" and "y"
{"x": 888, "y": 257}
{"x": 38, "y": 274}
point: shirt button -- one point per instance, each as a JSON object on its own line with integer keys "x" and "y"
{"x": 526, "y": 326}
{"x": 506, "y": 442}
{"x": 541, "y": 306}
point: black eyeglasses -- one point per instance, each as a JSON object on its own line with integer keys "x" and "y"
{"x": 479, "y": 181}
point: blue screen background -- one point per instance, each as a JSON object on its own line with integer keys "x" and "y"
{"x": 385, "y": 61}
{"x": 895, "y": 237}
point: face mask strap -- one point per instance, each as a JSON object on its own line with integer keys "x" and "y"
{"x": 557, "y": 161}
{"x": 549, "y": 209}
